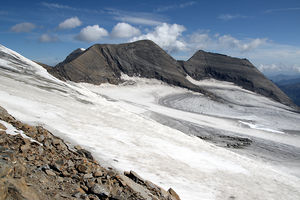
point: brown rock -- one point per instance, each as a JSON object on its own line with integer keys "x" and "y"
{"x": 93, "y": 197}
{"x": 31, "y": 158}
{"x": 2, "y": 127}
{"x": 65, "y": 173}
{"x": 85, "y": 153}
{"x": 70, "y": 163}
{"x": 80, "y": 190}
{"x": 173, "y": 194}
{"x": 50, "y": 172}
{"x": 84, "y": 188}
{"x": 41, "y": 138}
{"x": 3, "y": 191}
{"x": 88, "y": 176}
{"x": 77, "y": 147}
{"x": 81, "y": 168}
{"x": 29, "y": 129}
{"x": 19, "y": 171}
{"x": 100, "y": 190}
{"x": 98, "y": 173}
{"x": 18, "y": 189}
{"x": 25, "y": 148}
{"x": 58, "y": 165}
{"x": 90, "y": 183}
{"x": 56, "y": 141}
{"x": 134, "y": 176}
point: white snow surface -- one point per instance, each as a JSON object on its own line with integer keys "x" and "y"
{"x": 111, "y": 122}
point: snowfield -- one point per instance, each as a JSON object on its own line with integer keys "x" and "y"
{"x": 120, "y": 126}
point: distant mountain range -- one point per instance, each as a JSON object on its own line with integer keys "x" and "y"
{"x": 290, "y": 85}
{"x": 105, "y": 63}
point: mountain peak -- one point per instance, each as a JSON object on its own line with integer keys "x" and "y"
{"x": 102, "y": 63}
{"x": 239, "y": 71}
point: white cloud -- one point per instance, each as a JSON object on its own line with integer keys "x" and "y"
{"x": 279, "y": 68}
{"x": 223, "y": 42}
{"x": 23, "y": 27}
{"x": 124, "y": 30}
{"x": 48, "y": 38}
{"x": 175, "y": 6}
{"x": 167, "y": 36}
{"x": 57, "y": 6}
{"x": 70, "y": 23}
{"x": 227, "y": 17}
{"x": 282, "y": 10}
{"x": 67, "y": 7}
{"x": 138, "y": 20}
{"x": 142, "y": 18}
{"x": 200, "y": 41}
{"x": 231, "y": 42}
{"x": 91, "y": 33}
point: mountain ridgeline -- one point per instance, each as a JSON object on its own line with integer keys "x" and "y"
{"x": 104, "y": 63}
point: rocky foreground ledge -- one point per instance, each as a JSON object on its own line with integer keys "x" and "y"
{"x": 35, "y": 164}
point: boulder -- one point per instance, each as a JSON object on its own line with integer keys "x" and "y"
{"x": 100, "y": 190}
{"x": 174, "y": 195}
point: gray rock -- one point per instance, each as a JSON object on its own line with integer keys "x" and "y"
{"x": 134, "y": 176}
{"x": 174, "y": 195}
{"x": 50, "y": 172}
{"x": 239, "y": 71}
{"x": 102, "y": 63}
{"x": 100, "y": 190}
{"x": 98, "y": 173}
{"x": 88, "y": 176}
{"x": 41, "y": 138}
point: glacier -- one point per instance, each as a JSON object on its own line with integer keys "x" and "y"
{"x": 146, "y": 125}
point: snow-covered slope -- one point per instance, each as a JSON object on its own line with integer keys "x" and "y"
{"x": 130, "y": 127}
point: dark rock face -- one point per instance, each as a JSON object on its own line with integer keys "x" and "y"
{"x": 103, "y": 63}
{"x": 239, "y": 71}
{"x": 72, "y": 56}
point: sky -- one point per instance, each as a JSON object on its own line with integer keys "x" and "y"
{"x": 265, "y": 32}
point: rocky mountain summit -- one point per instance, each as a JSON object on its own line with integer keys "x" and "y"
{"x": 102, "y": 63}
{"x": 34, "y": 164}
{"x": 105, "y": 63}
{"x": 239, "y": 71}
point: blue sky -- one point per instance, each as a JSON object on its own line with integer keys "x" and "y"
{"x": 265, "y": 32}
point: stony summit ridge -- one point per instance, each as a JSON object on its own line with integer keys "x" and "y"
{"x": 104, "y": 63}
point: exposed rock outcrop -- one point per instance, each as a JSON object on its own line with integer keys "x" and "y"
{"x": 42, "y": 166}
{"x": 239, "y": 71}
{"x": 102, "y": 63}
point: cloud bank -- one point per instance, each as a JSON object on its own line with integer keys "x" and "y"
{"x": 167, "y": 36}
{"x": 91, "y": 33}
{"x": 124, "y": 30}
{"x": 23, "y": 27}
{"x": 223, "y": 42}
{"x": 48, "y": 38}
{"x": 70, "y": 23}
